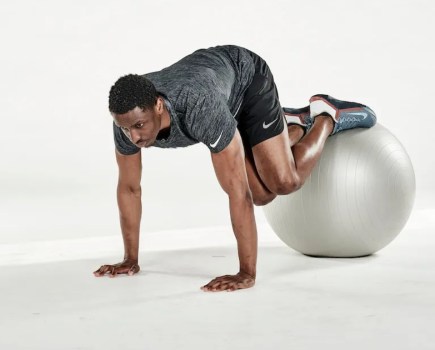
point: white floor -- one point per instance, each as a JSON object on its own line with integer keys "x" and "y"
{"x": 51, "y": 300}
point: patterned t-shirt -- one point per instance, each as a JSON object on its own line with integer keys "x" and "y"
{"x": 203, "y": 93}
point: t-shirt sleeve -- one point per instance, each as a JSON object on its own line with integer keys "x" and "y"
{"x": 122, "y": 142}
{"x": 212, "y": 123}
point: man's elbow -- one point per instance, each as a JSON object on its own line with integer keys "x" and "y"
{"x": 135, "y": 190}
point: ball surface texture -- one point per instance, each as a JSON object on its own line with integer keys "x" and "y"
{"x": 357, "y": 199}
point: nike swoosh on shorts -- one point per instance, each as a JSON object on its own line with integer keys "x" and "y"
{"x": 265, "y": 126}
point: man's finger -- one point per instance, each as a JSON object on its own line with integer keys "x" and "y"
{"x": 215, "y": 284}
{"x": 99, "y": 269}
{"x": 113, "y": 271}
{"x": 132, "y": 270}
{"x": 102, "y": 270}
{"x": 222, "y": 281}
{"x": 120, "y": 270}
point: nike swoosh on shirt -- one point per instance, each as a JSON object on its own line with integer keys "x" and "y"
{"x": 215, "y": 144}
{"x": 265, "y": 126}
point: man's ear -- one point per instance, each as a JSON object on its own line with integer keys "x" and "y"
{"x": 159, "y": 105}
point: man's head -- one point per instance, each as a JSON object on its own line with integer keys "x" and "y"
{"x": 137, "y": 108}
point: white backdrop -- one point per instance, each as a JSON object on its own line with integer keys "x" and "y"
{"x": 59, "y": 59}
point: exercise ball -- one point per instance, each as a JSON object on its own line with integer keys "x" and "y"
{"x": 356, "y": 200}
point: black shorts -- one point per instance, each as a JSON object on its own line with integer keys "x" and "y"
{"x": 260, "y": 116}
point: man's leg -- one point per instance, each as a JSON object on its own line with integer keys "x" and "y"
{"x": 295, "y": 134}
{"x": 281, "y": 162}
{"x": 261, "y": 194}
{"x": 283, "y": 168}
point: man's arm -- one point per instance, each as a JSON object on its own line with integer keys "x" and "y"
{"x": 130, "y": 212}
{"x": 129, "y": 201}
{"x": 229, "y": 165}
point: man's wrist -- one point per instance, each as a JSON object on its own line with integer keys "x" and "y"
{"x": 248, "y": 272}
{"x": 131, "y": 259}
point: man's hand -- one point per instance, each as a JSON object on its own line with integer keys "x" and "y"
{"x": 230, "y": 283}
{"x": 129, "y": 267}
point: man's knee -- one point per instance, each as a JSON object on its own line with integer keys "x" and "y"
{"x": 264, "y": 199}
{"x": 286, "y": 185}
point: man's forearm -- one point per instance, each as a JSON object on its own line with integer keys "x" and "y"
{"x": 245, "y": 230}
{"x": 130, "y": 212}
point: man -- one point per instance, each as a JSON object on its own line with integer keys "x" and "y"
{"x": 224, "y": 97}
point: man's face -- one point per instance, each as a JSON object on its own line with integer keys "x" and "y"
{"x": 140, "y": 126}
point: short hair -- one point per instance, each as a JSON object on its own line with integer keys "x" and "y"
{"x": 132, "y": 91}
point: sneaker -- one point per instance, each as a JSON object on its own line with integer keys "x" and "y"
{"x": 346, "y": 115}
{"x": 298, "y": 116}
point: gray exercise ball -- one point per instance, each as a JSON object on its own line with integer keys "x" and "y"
{"x": 356, "y": 200}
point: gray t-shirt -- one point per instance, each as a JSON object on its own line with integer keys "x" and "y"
{"x": 203, "y": 93}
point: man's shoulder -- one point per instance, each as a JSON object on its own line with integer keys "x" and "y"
{"x": 227, "y": 48}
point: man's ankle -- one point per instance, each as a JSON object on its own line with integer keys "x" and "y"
{"x": 325, "y": 118}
